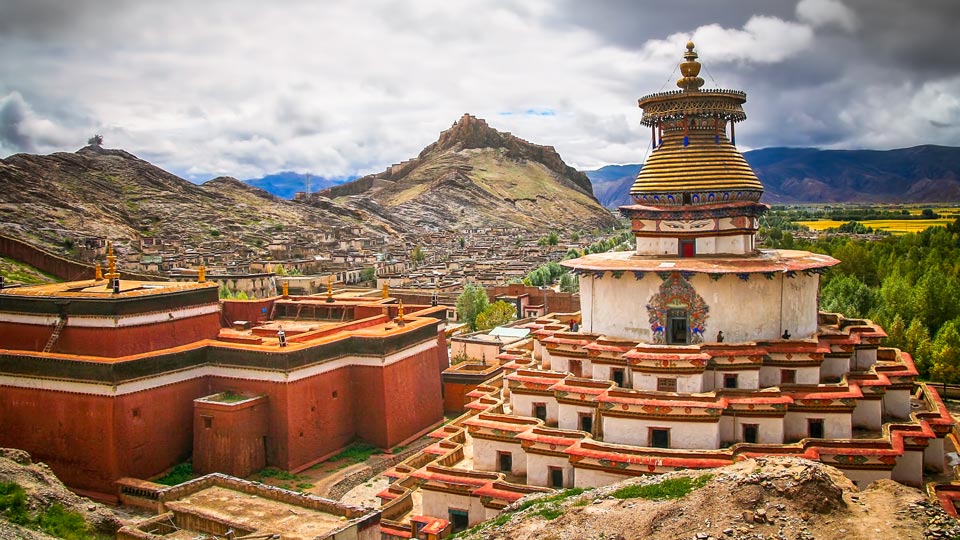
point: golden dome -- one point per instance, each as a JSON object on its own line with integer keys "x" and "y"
{"x": 693, "y": 161}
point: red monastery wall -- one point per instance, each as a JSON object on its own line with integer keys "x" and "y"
{"x": 247, "y": 310}
{"x": 90, "y": 441}
{"x": 412, "y": 389}
{"x": 72, "y": 433}
{"x": 155, "y": 427}
{"x": 114, "y": 342}
{"x": 319, "y": 419}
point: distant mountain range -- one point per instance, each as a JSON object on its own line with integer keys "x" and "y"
{"x": 286, "y": 184}
{"x": 925, "y": 173}
{"x": 54, "y": 200}
{"x": 475, "y": 176}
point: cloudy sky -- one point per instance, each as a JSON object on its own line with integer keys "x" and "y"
{"x": 336, "y": 88}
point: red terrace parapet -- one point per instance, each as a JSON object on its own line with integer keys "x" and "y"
{"x": 503, "y": 425}
{"x": 431, "y": 525}
{"x": 633, "y": 460}
{"x": 586, "y": 389}
{"x": 502, "y": 493}
{"x": 534, "y": 379}
{"x": 552, "y": 441}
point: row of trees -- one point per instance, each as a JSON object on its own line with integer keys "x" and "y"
{"x": 475, "y": 309}
{"x": 909, "y": 284}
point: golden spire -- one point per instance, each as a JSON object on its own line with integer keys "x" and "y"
{"x": 400, "y": 320}
{"x": 286, "y": 289}
{"x": 97, "y": 273}
{"x": 202, "y": 274}
{"x": 385, "y": 293}
{"x": 330, "y": 289}
{"x": 111, "y": 263}
{"x": 690, "y": 82}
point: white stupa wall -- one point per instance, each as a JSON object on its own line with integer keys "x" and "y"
{"x": 756, "y": 309}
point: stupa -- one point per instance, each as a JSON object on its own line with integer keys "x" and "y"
{"x": 695, "y": 350}
{"x": 696, "y": 270}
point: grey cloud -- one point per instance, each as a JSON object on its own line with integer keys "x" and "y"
{"x": 13, "y": 112}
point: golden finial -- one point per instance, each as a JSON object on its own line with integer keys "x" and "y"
{"x": 400, "y": 315}
{"x": 286, "y": 289}
{"x": 690, "y": 82}
{"x": 97, "y": 272}
{"x": 202, "y": 274}
{"x": 330, "y": 288}
{"x": 385, "y": 293}
{"x": 111, "y": 263}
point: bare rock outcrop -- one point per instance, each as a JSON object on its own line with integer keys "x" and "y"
{"x": 44, "y": 489}
{"x": 779, "y": 498}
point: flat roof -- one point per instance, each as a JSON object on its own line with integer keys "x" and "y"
{"x": 98, "y": 289}
{"x": 767, "y": 260}
{"x": 260, "y": 514}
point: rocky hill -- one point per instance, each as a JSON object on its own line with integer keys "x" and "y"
{"x": 807, "y": 175}
{"x": 476, "y": 176}
{"x": 42, "y": 491}
{"x": 757, "y": 499}
{"x": 97, "y": 192}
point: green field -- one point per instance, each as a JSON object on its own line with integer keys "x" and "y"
{"x": 894, "y": 226}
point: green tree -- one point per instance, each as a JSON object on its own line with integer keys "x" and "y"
{"x": 847, "y": 295}
{"x": 242, "y": 295}
{"x": 569, "y": 283}
{"x": 496, "y": 314}
{"x": 575, "y": 236}
{"x": 471, "y": 303}
{"x": 418, "y": 255}
{"x": 945, "y": 353}
{"x": 917, "y": 342}
{"x": 553, "y": 239}
{"x": 369, "y": 274}
{"x": 937, "y": 298}
{"x": 280, "y": 270}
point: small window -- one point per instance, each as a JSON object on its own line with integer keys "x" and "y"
{"x": 665, "y": 384}
{"x": 788, "y": 376}
{"x": 460, "y": 519}
{"x": 618, "y": 375}
{"x": 750, "y": 432}
{"x": 659, "y": 438}
{"x": 540, "y": 411}
{"x": 136, "y": 412}
{"x": 334, "y": 394}
{"x": 576, "y": 368}
{"x": 505, "y": 461}
{"x": 730, "y": 380}
{"x": 815, "y": 428}
{"x": 586, "y": 422}
{"x": 207, "y": 422}
{"x": 556, "y": 477}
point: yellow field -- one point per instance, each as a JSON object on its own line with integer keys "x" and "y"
{"x": 894, "y": 226}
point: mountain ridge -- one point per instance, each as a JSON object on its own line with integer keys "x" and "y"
{"x": 918, "y": 174}
{"x": 476, "y": 176}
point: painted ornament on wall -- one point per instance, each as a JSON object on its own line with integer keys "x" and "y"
{"x": 676, "y": 293}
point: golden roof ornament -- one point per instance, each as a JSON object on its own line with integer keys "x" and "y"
{"x": 97, "y": 273}
{"x": 385, "y": 293}
{"x": 330, "y": 289}
{"x": 202, "y": 274}
{"x": 111, "y": 263}
{"x": 690, "y": 82}
{"x": 694, "y": 159}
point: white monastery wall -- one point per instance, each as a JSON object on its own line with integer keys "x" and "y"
{"x": 769, "y": 429}
{"x": 569, "y": 415}
{"x": 835, "y": 425}
{"x": 538, "y": 469}
{"x": 868, "y": 414}
{"x": 485, "y": 456}
{"x": 522, "y": 405}
{"x": 590, "y": 478}
{"x": 687, "y": 384}
{"x": 750, "y": 310}
{"x": 636, "y": 431}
